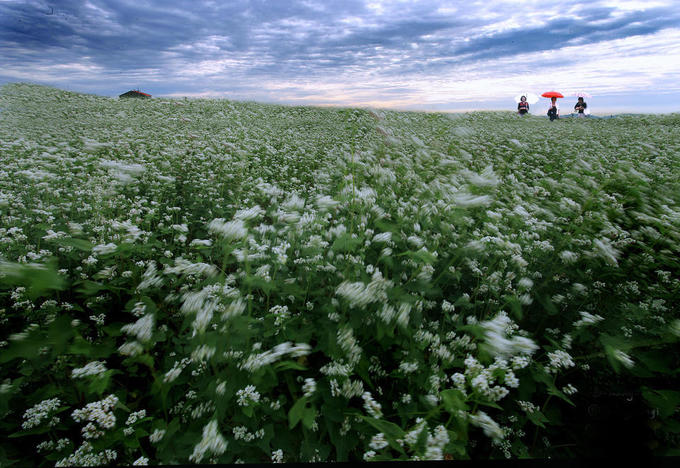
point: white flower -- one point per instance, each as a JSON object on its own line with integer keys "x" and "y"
{"x": 37, "y": 414}
{"x": 467, "y": 200}
{"x": 490, "y": 427}
{"x": 623, "y": 358}
{"x": 378, "y": 441}
{"x": 131, "y": 348}
{"x": 212, "y": 442}
{"x": 309, "y": 387}
{"x": 371, "y": 406}
{"x": 277, "y": 456}
{"x": 200, "y": 242}
{"x": 104, "y": 249}
{"x": 369, "y": 455}
{"x": 568, "y": 257}
{"x": 560, "y": 359}
{"x": 232, "y": 230}
{"x": 249, "y": 213}
{"x": 587, "y": 319}
{"x": 142, "y": 328}
{"x": 248, "y": 395}
{"x": 156, "y": 435}
{"x": 91, "y": 368}
{"x": 136, "y": 416}
{"x": 604, "y": 248}
{"x": 141, "y": 461}
{"x": 382, "y": 237}
{"x": 498, "y": 341}
{"x": 408, "y": 367}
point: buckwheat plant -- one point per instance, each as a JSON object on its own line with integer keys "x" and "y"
{"x": 212, "y": 281}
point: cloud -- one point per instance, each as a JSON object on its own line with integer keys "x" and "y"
{"x": 398, "y": 53}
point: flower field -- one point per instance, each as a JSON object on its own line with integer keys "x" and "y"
{"x": 209, "y": 281}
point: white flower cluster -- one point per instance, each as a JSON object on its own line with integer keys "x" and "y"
{"x": 436, "y": 441}
{"x": 349, "y": 345}
{"x": 256, "y": 361}
{"x": 527, "y": 406}
{"x": 371, "y": 406}
{"x": 360, "y": 295}
{"x": 277, "y": 456}
{"x": 335, "y": 368}
{"x": 408, "y": 367}
{"x": 150, "y": 278}
{"x": 230, "y": 230}
{"x": 587, "y": 319}
{"x": 247, "y": 396}
{"x": 86, "y": 456}
{"x": 185, "y": 267}
{"x": 378, "y": 441}
{"x": 156, "y": 436}
{"x": 49, "y": 445}
{"x": 488, "y": 425}
{"x": 350, "y": 388}
{"x": 482, "y": 379}
{"x": 498, "y": 341}
{"x": 241, "y": 433}
{"x": 141, "y": 461}
{"x": 559, "y": 359}
{"x": 91, "y": 368}
{"x": 176, "y": 370}
{"x": 34, "y": 416}
{"x": 99, "y": 412}
{"x": 212, "y": 443}
{"x": 204, "y": 304}
{"x": 104, "y": 249}
{"x": 134, "y": 417}
{"x": 309, "y": 387}
{"x": 623, "y": 358}
{"x": 142, "y": 329}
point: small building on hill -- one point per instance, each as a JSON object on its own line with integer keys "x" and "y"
{"x": 135, "y": 94}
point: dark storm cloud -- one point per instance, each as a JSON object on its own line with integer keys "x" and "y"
{"x": 286, "y": 37}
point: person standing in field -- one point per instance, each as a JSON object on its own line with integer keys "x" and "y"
{"x": 522, "y": 106}
{"x": 553, "y": 111}
{"x": 580, "y": 107}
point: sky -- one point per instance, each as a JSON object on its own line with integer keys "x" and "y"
{"x": 412, "y": 55}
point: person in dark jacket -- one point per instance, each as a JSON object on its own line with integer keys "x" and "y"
{"x": 522, "y": 106}
{"x": 553, "y": 111}
{"x": 580, "y": 107}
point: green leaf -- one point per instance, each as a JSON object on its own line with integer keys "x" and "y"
{"x": 666, "y": 401}
{"x": 37, "y": 278}
{"x": 422, "y": 256}
{"x": 392, "y": 431}
{"x": 78, "y": 244}
{"x": 453, "y": 400}
{"x": 296, "y": 412}
{"x": 289, "y": 365}
{"x": 346, "y": 243}
{"x": 537, "y": 418}
{"x": 548, "y": 305}
{"x": 90, "y": 288}
{"x": 308, "y": 416}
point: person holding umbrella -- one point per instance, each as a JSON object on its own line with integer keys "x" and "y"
{"x": 553, "y": 110}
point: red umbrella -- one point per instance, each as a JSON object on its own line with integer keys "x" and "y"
{"x": 551, "y": 94}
